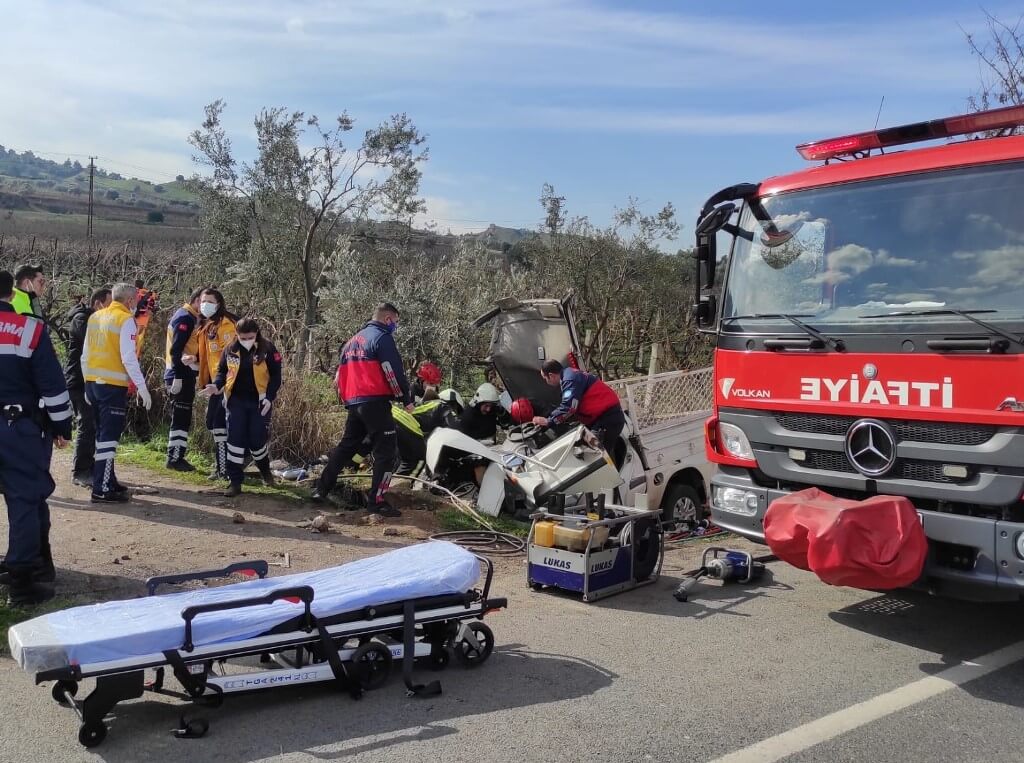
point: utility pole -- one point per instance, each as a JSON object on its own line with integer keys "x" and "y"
{"x": 92, "y": 170}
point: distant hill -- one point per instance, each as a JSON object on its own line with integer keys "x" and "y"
{"x": 495, "y": 236}
{"x": 31, "y": 183}
{"x": 34, "y": 188}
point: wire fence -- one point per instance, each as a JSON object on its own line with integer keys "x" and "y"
{"x": 661, "y": 400}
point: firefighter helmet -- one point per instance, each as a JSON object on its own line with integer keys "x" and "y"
{"x": 486, "y": 393}
{"x": 521, "y": 410}
{"x": 452, "y": 397}
{"x": 429, "y": 373}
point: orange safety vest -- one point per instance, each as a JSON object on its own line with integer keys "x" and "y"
{"x": 214, "y": 338}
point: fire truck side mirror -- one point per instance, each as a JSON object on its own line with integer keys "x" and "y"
{"x": 705, "y": 311}
{"x": 707, "y": 257}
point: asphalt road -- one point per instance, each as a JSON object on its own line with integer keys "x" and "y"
{"x": 788, "y": 669}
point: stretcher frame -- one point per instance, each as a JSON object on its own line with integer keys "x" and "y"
{"x": 302, "y": 650}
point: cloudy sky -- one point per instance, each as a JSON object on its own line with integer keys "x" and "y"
{"x": 663, "y": 101}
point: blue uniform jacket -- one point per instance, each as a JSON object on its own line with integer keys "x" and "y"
{"x": 370, "y": 368}
{"x": 30, "y": 371}
{"x": 184, "y": 325}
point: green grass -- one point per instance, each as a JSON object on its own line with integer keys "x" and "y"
{"x": 453, "y": 519}
{"x": 9, "y": 616}
{"x": 152, "y": 455}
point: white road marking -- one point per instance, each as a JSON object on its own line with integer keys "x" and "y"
{"x": 830, "y": 726}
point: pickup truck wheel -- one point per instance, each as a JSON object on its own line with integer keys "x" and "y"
{"x": 681, "y": 503}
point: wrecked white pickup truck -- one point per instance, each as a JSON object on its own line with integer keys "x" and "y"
{"x": 660, "y": 454}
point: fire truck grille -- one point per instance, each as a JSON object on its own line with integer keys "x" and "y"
{"x": 903, "y": 469}
{"x": 938, "y": 432}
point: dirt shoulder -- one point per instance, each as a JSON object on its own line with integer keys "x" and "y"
{"x": 107, "y": 551}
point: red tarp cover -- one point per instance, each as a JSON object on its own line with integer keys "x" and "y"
{"x": 876, "y": 543}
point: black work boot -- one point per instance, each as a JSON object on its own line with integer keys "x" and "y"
{"x": 180, "y": 465}
{"x": 219, "y": 466}
{"x": 233, "y": 490}
{"x": 24, "y": 591}
{"x": 383, "y": 508}
{"x": 46, "y": 572}
{"x": 268, "y": 476}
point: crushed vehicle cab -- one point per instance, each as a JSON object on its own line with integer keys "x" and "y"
{"x": 869, "y": 339}
{"x": 660, "y": 454}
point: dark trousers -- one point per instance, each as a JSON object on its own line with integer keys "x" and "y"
{"x": 247, "y": 431}
{"x": 607, "y": 427}
{"x": 181, "y": 415}
{"x": 216, "y": 422}
{"x": 110, "y": 404}
{"x": 412, "y": 452}
{"x": 371, "y": 420}
{"x": 25, "y": 452}
{"x": 83, "y": 459}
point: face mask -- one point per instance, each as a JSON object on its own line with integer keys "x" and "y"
{"x": 392, "y": 327}
{"x": 247, "y": 343}
{"x": 208, "y": 309}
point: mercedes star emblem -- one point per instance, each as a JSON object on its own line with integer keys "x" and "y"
{"x": 871, "y": 447}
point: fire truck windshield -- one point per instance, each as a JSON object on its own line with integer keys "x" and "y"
{"x": 922, "y": 245}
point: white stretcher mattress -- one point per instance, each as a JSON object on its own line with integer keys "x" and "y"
{"x": 118, "y": 630}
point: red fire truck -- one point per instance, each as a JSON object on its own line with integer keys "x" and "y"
{"x": 869, "y": 325}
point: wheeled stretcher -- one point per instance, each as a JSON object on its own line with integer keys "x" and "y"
{"x": 346, "y": 624}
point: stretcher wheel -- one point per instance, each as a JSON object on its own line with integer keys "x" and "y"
{"x": 373, "y": 661}
{"x": 60, "y": 689}
{"x": 472, "y": 656}
{"x": 92, "y": 734}
{"x": 212, "y": 697}
{"x": 439, "y": 657}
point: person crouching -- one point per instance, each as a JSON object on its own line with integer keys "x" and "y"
{"x": 249, "y": 376}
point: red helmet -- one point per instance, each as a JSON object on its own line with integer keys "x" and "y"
{"x": 429, "y": 373}
{"x": 521, "y": 410}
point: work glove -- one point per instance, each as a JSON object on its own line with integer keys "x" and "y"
{"x": 145, "y": 399}
{"x": 209, "y": 390}
{"x": 265, "y": 406}
{"x": 175, "y": 386}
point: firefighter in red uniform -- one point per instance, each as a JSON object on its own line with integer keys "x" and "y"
{"x": 370, "y": 376}
{"x": 588, "y": 398}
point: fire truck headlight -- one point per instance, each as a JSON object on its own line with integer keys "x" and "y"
{"x": 735, "y": 442}
{"x": 735, "y": 500}
{"x": 1020, "y": 545}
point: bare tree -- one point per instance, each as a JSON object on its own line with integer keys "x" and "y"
{"x": 1000, "y": 55}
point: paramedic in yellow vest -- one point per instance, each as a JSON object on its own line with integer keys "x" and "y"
{"x": 249, "y": 377}
{"x": 216, "y": 332}
{"x": 29, "y": 285}
{"x": 182, "y": 370}
{"x": 111, "y": 368}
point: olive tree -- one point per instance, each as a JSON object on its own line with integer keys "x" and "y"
{"x": 273, "y": 222}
